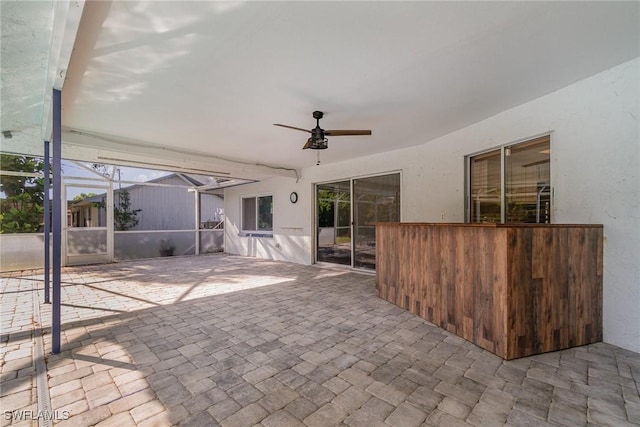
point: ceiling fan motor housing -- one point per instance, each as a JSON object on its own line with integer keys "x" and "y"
{"x": 318, "y": 139}
{"x": 317, "y": 143}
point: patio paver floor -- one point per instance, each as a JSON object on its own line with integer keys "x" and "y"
{"x": 233, "y": 341}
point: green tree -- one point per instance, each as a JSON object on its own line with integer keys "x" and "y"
{"x": 326, "y": 207}
{"x": 124, "y": 217}
{"x": 21, "y": 209}
{"x": 83, "y": 196}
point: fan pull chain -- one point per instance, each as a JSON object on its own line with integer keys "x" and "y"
{"x": 317, "y": 157}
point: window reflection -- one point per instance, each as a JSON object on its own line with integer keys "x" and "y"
{"x": 528, "y": 191}
{"x": 527, "y": 184}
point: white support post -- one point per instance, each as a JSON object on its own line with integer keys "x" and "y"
{"x": 197, "y": 216}
{"x": 111, "y": 235}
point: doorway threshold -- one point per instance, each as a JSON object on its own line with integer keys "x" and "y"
{"x": 343, "y": 267}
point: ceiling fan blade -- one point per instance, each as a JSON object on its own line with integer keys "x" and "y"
{"x": 292, "y": 127}
{"x": 346, "y": 132}
{"x": 308, "y": 144}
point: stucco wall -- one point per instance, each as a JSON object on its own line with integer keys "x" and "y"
{"x": 292, "y": 223}
{"x": 595, "y": 174}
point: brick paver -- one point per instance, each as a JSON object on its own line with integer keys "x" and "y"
{"x": 232, "y": 341}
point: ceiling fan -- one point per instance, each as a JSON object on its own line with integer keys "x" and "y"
{"x": 318, "y": 140}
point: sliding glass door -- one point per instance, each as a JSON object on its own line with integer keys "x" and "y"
{"x": 334, "y": 222}
{"x": 376, "y": 199}
{"x": 346, "y": 215}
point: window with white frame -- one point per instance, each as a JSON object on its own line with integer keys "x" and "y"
{"x": 511, "y": 184}
{"x": 257, "y": 213}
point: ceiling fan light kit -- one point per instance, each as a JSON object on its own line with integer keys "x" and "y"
{"x": 318, "y": 140}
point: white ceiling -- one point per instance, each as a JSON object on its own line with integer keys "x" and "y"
{"x": 211, "y": 78}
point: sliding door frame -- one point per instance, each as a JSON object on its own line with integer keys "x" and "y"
{"x": 351, "y": 180}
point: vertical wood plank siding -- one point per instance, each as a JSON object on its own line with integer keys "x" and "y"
{"x": 514, "y": 290}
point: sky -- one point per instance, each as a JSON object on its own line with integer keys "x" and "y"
{"x": 70, "y": 168}
{"x": 126, "y": 174}
{"x": 130, "y": 174}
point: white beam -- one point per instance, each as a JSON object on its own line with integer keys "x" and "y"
{"x": 100, "y": 148}
{"x": 66, "y": 20}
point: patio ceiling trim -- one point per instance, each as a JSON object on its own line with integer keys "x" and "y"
{"x": 94, "y": 147}
{"x": 66, "y": 16}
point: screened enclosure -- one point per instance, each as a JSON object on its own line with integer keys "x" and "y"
{"x": 110, "y": 213}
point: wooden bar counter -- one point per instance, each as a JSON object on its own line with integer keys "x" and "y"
{"x": 512, "y": 289}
